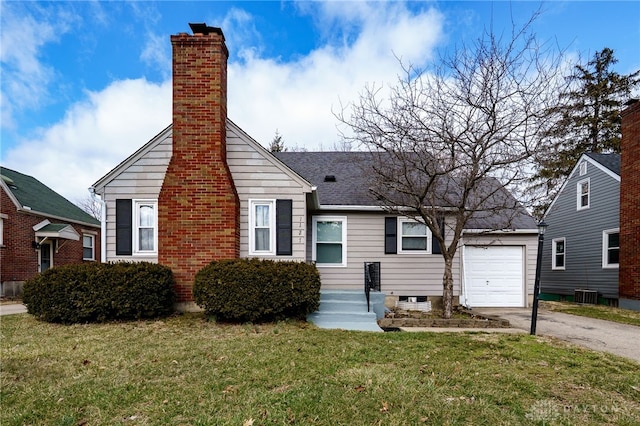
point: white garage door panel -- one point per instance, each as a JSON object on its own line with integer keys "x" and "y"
{"x": 493, "y": 276}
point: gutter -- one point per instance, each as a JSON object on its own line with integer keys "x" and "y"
{"x": 103, "y": 224}
{"x": 368, "y": 208}
{"x": 27, "y": 209}
{"x": 498, "y": 231}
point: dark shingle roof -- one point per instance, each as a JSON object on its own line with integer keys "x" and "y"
{"x": 33, "y": 194}
{"x": 350, "y": 188}
{"x": 353, "y": 182}
{"x": 610, "y": 161}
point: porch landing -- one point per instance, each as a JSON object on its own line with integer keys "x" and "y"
{"x": 347, "y": 310}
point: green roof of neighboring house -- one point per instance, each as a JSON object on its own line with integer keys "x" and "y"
{"x": 33, "y": 195}
{"x": 53, "y": 227}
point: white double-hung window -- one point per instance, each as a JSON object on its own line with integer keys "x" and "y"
{"x": 611, "y": 248}
{"x": 414, "y": 236}
{"x": 88, "y": 247}
{"x": 330, "y": 240}
{"x": 145, "y": 226}
{"x": 262, "y": 225}
{"x": 558, "y": 253}
{"x": 583, "y": 194}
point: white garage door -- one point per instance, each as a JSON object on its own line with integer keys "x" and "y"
{"x": 493, "y": 276}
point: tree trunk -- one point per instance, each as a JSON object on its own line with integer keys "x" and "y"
{"x": 447, "y": 288}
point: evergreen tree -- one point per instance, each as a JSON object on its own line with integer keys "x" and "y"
{"x": 277, "y": 144}
{"x": 587, "y": 120}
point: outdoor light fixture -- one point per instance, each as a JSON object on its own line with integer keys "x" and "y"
{"x": 542, "y": 227}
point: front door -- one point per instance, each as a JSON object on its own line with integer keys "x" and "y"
{"x": 45, "y": 257}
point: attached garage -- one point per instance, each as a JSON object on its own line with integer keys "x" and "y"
{"x": 493, "y": 276}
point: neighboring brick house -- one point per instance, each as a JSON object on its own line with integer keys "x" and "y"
{"x": 202, "y": 189}
{"x": 630, "y": 208}
{"x": 40, "y": 229}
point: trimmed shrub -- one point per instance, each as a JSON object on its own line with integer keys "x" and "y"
{"x": 254, "y": 290}
{"x": 98, "y": 292}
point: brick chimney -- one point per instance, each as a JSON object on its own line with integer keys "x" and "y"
{"x": 629, "y": 278}
{"x": 198, "y": 206}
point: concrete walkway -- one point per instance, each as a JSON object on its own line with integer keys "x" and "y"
{"x": 595, "y": 334}
{"x": 12, "y": 308}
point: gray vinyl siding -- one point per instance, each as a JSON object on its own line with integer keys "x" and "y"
{"x": 257, "y": 177}
{"x": 400, "y": 274}
{"x": 405, "y": 274}
{"x": 140, "y": 180}
{"x": 583, "y": 233}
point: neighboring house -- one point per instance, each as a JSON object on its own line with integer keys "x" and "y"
{"x": 40, "y": 229}
{"x": 630, "y": 208}
{"x": 581, "y": 254}
{"x": 203, "y": 189}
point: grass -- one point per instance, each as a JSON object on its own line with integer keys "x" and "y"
{"x": 186, "y": 370}
{"x": 608, "y": 313}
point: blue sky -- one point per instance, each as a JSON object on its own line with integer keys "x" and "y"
{"x": 85, "y": 84}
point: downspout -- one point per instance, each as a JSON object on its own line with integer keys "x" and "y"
{"x": 103, "y": 224}
{"x": 463, "y": 284}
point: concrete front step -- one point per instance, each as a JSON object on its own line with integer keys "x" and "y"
{"x": 347, "y": 310}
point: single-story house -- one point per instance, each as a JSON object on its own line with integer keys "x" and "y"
{"x": 40, "y": 229}
{"x": 203, "y": 189}
{"x": 581, "y": 255}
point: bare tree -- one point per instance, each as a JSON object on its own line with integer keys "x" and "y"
{"x": 91, "y": 206}
{"x": 448, "y": 141}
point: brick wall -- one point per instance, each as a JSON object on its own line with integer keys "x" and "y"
{"x": 630, "y": 204}
{"x": 18, "y": 258}
{"x": 198, "y": 206}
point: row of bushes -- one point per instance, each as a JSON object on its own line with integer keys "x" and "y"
{"x": 257, "y": 290}
{"x": 97, "y": 292}
{"x": 237, "y": 290}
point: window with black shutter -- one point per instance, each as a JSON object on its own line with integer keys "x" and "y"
{"x": 435, "y": 245}
{"x": 124, "y": 227}
{"x": 284, "y": 227}
{"x": 390, "y": 235}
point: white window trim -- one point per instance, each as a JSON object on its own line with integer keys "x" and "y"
{"x": 400, "y": 236}
{"x": 583, "y": 168}
{"x": 579, "y": 205}
{"x": 315, "y": 221}
{"x": 605, "y": 248}
{"x": 272, "y": 227}
{"x": 553, "y": 254}
{"x": 136, "y": 228}
{"x": 93, "y": 247}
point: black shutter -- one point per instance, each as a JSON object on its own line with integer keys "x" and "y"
{"x": 390, "y": 235}
{"x": 435, "y": 245}
{"x": 284, "y": 227}
{"x": 124, "y": 227}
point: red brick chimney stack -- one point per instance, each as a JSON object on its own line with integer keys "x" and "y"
{"x": 629, "y": 296}
{"x": 198, "y": 207}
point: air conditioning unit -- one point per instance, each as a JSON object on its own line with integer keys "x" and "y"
{"x": 589, "y": 297}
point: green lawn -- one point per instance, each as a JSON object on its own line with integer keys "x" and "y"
{"x": 188, "y": 371}
{"x": 608, "y": 313}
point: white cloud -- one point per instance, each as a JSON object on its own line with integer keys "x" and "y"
{"x": 94, "y": 136}
{"x": 156, "y": 53}
{"x": 25, "y": 78}
{"x": 265, "y": 94}
{"x": 298, "y": 98}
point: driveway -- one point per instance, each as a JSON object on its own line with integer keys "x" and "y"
{"x": 12, "y": 308}
{"x": 595, "y": 334}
